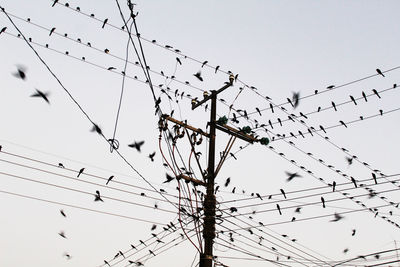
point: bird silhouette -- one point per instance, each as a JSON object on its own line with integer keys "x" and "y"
{"x": 296, "y": 99}
{"x": 151, "y": 156}
{"x": 137, "y": 145}
{"x": 216, "y": 69}
{"x": 61, "y": 165}
{"x": 344, "y": 124}
{"x": 333, "y": 186}
{"x": 283, "y": 193}
{"x": 376, "y": 93}
{"x": 179, "y": 61}
{"x": 109, "y": 179}
{"x": 323, "y": 202}
{"x": 259, "y": 196}
{"x": 62, "y": 234}
{"x": 353, "y": 181}
{"x": 204, "y": 63}
{"x": 353, "y": 232}
{"x": 291, "y": 176}
{"x": 152, "y": 253}
{"x": 380, "y": 72}
{"x": 63, "y": 213}
{"x": 279, "y": 209}
{"x": 297, "y": 210}
{"x": 106, "y": 262}
{"x": 227, "y": 182}
{"x": 337, "y": 217}
{"x": 52, "y": 30}
{"x": 21, "y": 73}
{"x": 330, "y": 87}
{"x": 365, "y": 96}
{"x": 96, "y": 128}
{"x": 374, "y": 177}
{"x": 198, "y": 75}
{"x": 153, "y": 227}
{"x": 349, "y": 160}
{"x": 68, "y": 256}
{"x": 352, "y": 99}
{"x": 334, "y": 105}
{"x": 104, "y": 23}
{"x": 54, "y": 3}
{"x": 80, "y": 172}
{"x": 169, "y": 178}
{"x": 3, "y": 30}
{"x": 97, "y": 196}
{"x": 233, "y": 209}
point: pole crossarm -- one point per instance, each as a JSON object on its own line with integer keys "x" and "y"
{"x": 197, "y": 130}
{"x": 236, "y": 133}
{"x": 192, "y": 180}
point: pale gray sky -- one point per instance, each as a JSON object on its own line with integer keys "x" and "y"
{"x": 279, "y": 47}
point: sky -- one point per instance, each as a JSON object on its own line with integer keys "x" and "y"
{"x": 327, "y": 52}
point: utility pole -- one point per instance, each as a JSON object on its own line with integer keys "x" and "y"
{"x": 206, "y": 258}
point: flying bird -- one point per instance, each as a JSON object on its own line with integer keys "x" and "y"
{"x": 227, "y": 182}
{"x": 20, "y": 73}
{"x": 109, "y": 179}
{"x": 179, "y": 61}
{"x": 380, "y": 72}
{"x": 296, "y": 99}
{"x": 96, "y": 128}
{"x": 297, "y": 210}
{"x": 63, "y": 213}
{"x": 137, "y": 145}
{"x": 153, "y": 227}
{"x": 169, "y": 178}
{"x": 349, "y": 160}
{"x": 80, "y": 172}
{"x": 62, "y": 234}
{"x": 151, "y": 156}
{"x": 353, "y": 232}
{"x": 337, "y": 218}
{"x": 42, "y": 95}
{"x": 198, "y": 75}
{"x": 291, "y": 176}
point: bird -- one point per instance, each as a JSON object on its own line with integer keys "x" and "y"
{"x": 344, "y": 124}
{"x": 228, "y": 180}
{"x": 354, "y": 181}
{"x": 106, "y": 262}
{"x": 334, "y": 105}
{"x": 233, "y": 209}
{"x": 323, "y": 202}
{"x": 3, "y": 30}
{"x": 52, "y": 30}
{"x": 352, "y": 99}
{"x": 96, "y": 128}
{"x": 333, "y": 186}
{"x": 204, "y": 63}
{"x": 111, "y": 68}
{"x": 152, "y": 253}
{"x": 151, "y": 156}
{"x": 80, "y": 172}
{"x": 380, "y": 72}
{"x": 20, "y": 73}
{"x": 216, "y": 69}
{"x": 68, "y": 256}
{"x": 349, "y": 160}
{"x": 297, "y": 210}
{"x": 296, "y": 99}
{"x": 169, "y": 178}
{"x": 283, "y": 193}
{"x": 291, "y": 176}
{"x": 322, "y": 128}
{"x": 42, "y": 95}
{"x": 137, "y": 145}
{"x": 63, "y": 213}
{"x": 337, "y": 218}
{"x": 104, "y": 23}
{"x": 97, "y": 196}
{"x": 364, "y": 95}
{"x": 54, "y": 3}
{"x": 232, "y": 155}
{"x": 330, "y": 87}
{"x": 376, "y": 92}
{"x": 374, "y": 177}
{"x": 61, "y": 165}
{"x": 258, "y": 110}
{"x": 259, "y": 196}
{"x": 198, "y": 75}
{"x": 109, "y": 179}
{"x": 153, "y": 227}
{"x": 279, "y": 209}
{"x": 179, "y": 61}
{"x": 353, "y": 232}
{"x": 62, "y": 234}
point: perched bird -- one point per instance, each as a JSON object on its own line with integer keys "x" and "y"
{"x": 52, "y": 30}
{"x": 279, "y": 209}
{"x": 80, "y": 172}
{"x": 354, "y": 181}
{"x": 97, "y": 196}
{"x": 228, "y": 180}
{"x": 374, "y": 177}
{"x": 68, "y": 256}
{"x": 259, "y": 196}
{"x": 153, "y": 227}
{"x": 337, "y": 218}
{"x": 365, "y": 96}
{"x": 322, "y": 128}
{"x": 54, "y": 3}
{"x": 20, "y": 73}
{"x": 352, "y": 99}
{"x": 333, "y": 186}
{"x": 63, "y": 213}
{"x": 204, "y": 63}
{"x": 380, "y": 72}
{"x": 376, "y": 92}
{"x": 169, "y": 178}
{"x": 344, "y": 124}
{"x": 233, "y": 209}
{"x": 106, "y": 262}
{"x": 323, "y": 202}
{"x": 258, "y": 110}
{"x": 111, "y": 68}
{"x": 96, "y": 128}
{"x": 109, "y": 179}
{"x": 137, "y": 145}
{"x": 198, "y": 75}
{"x": 61, "y": 165}
{"x": 353, "y": 232}
{"x": 104, "y": 23}
{"x": 283, "y": 193}
{"x": 152, "y": 253}
{"x": 216, "y": 69}
{"x": 330, "y": 87}
{"x": 334, "y": 105}
{"x": 291, "y": 176}
{"x": 3, "y": 30}
{"x": 151, "y": 156}
{"x": 232, "y": 155}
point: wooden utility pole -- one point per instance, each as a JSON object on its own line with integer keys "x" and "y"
{"x": 206, "y": 258}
